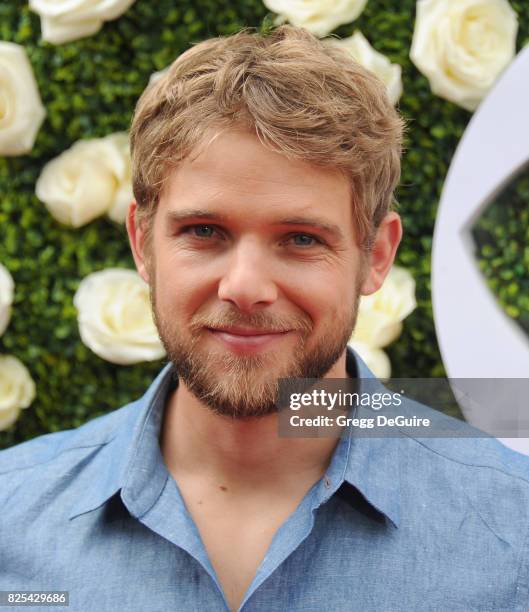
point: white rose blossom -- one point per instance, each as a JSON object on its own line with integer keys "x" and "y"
{"x": 115, "y": 317}
{"x": 380, "y": 317}
{"x": 7, "y": 288}
{"x": 66, "y": 20}
{"x": 17, "y": 389}
{"x": 156, "y": 76}
{"x": 390, "y": 74}
{"x": 375, "y": 359}
{"x": 380, "y": 314}
{"x": 21, "y": 109}
{"x": 89, "y": 179}
{"x": 123, "y": 174}
{"x": 318, "y": 16}
{"x": 462, "y": 46}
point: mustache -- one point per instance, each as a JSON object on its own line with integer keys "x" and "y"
{"x": 257, "y": 321}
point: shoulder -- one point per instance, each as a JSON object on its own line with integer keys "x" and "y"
{"x": 49, "y": 447}
{"x": 90, "y": 461}
{"x": 49, "y": 457}
{"x": 467, "y": 465}
{"x": 452, "y": 441}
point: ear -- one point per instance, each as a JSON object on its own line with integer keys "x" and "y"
{"x": 381, "y": 258}
{"x": 136, "y": 240}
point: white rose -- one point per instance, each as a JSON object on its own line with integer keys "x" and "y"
{"x": 8, "y": 417}
{"x": 380, "y": 314}
{"x": 66, "y": 20}
{"x": 123, "y": 175}
{"x": 156, "y": 76}
{"x": 21, "y": 109}
{"x": 115, "y": 317}
{"x": 17, "y": 389}
{"x": 375, "y": 359}
{"x": 390, "y": 74}
{"x": 463, "y": 46}
{"x": 318, "y": 16}
{"x": 7, "y": 288}
{"x": 90, "y": 178}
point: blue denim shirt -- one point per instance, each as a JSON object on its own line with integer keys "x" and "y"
{"x": 397, "y": 523}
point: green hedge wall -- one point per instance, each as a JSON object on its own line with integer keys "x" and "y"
{"x": 90, "y": 87}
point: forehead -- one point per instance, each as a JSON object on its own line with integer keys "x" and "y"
{"x": 232, "y": 171}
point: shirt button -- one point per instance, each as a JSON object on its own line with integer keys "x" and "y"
{"x": 327, "y": 481}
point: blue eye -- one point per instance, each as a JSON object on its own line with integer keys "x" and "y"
{"x": 198, "y": 233}
{"x": 308, "y": 239}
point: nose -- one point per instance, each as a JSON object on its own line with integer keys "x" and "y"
{"x": 246, "y": 281}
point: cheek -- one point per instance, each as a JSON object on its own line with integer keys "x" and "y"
{"x": 181, "y": 290}
{"x": 323, "y": 296}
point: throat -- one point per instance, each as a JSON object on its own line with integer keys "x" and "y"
{"x": 237, "y": 527}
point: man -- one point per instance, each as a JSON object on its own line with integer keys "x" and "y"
{"x": 263, "y": 169}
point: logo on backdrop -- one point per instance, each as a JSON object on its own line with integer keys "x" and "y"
{"x": 477, "y": 339}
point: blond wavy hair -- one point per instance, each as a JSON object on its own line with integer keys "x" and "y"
{"x": 302, "y": 97}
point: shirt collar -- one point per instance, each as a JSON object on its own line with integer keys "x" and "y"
{"x": 136, "y": 436}
{"x": 370, "y": 463}
{"x": 135, "y": 466}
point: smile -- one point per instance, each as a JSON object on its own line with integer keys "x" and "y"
{"x": 247, "y": 340}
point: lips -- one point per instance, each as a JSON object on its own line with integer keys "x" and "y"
{"x": 241, "y": 339}
{"x": 241, "y": 331}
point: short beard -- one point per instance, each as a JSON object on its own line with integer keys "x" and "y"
{"x": 233, "y": 385}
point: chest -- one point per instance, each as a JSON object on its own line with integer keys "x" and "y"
{"x": 236, "y": 534}
{"x": 236, "y": 547}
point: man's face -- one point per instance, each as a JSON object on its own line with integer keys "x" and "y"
{"x": 246, "y": 240}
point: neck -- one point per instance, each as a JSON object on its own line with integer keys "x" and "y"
{"x": 196, "y": 441}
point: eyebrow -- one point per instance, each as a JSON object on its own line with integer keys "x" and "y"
{"x": 178, "y": 216}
